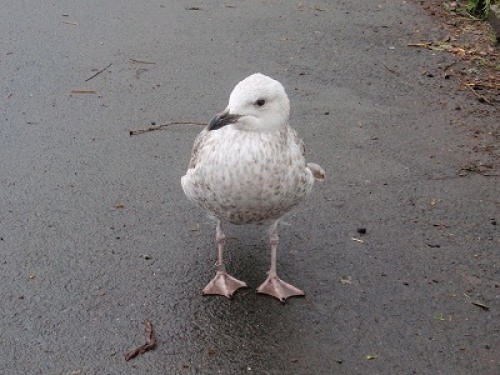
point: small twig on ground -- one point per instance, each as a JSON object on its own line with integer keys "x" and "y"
{"x": 423, "y": 44}
{"x": 450, "y": 65}
{"x": 478, "y": 95}
{"x": 99, "y": 72}
{"x": 445, "y": 70}
{"x": 477, "y": 303}
{"x": 163, "y": 126}
{"x": 142, "y": 61}
{"x": 357, "y": 240}
{"x": 83, "y": 91}
{"x": 485, "y": 85}
{"x": 150, "y": 343}
{"x": 482, "y": 169}
{"x": 391, "y": 70}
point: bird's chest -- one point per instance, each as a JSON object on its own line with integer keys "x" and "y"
{"x": 249, "y": 165}
{"x": 249, "y": 180}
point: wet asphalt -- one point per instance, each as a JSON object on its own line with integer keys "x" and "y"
{"x": 397, "y": 253}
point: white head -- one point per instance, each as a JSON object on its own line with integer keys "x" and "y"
{"x": 258, "y": 103}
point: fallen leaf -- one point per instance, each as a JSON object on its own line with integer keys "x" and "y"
{"x": 150, "y": 343}
{"x": 369, "y": 357}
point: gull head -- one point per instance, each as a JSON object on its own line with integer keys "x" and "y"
{"x": 258, "y": 103}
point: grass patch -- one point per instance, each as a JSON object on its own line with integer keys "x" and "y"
{"x": 479, "y": 8}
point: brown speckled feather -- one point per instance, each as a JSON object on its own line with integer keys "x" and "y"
{"x": 196, "y": 146}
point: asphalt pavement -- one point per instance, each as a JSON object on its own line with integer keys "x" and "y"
{"x": 397, "y": 250}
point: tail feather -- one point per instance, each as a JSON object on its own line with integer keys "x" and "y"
{"x": 317, "y": 172}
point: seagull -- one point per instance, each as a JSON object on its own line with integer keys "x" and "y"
{"x": 248, "y": 167}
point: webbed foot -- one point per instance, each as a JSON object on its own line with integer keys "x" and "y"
{"x": 279, "y": 289}
{"x": 223, "y": 284}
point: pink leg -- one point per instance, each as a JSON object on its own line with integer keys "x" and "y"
{"x": 222, "y": 283}
{"x": 273, "y": 285}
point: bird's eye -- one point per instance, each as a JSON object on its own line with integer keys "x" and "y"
{"x": 260, "y": 102}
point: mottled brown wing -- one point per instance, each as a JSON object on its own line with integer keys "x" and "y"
{"x": 196, "y": 147}
{"x": 297, "y": 140}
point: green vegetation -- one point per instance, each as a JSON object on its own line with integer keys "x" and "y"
{"x": 479, "y": 8}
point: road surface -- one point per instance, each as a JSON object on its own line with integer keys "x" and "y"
{"x": 96, "y": 235}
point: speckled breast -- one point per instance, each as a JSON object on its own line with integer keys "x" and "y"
{"x": 248, "y": 178}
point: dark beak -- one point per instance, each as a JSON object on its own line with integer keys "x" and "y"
{"x": 222, "y": 119}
